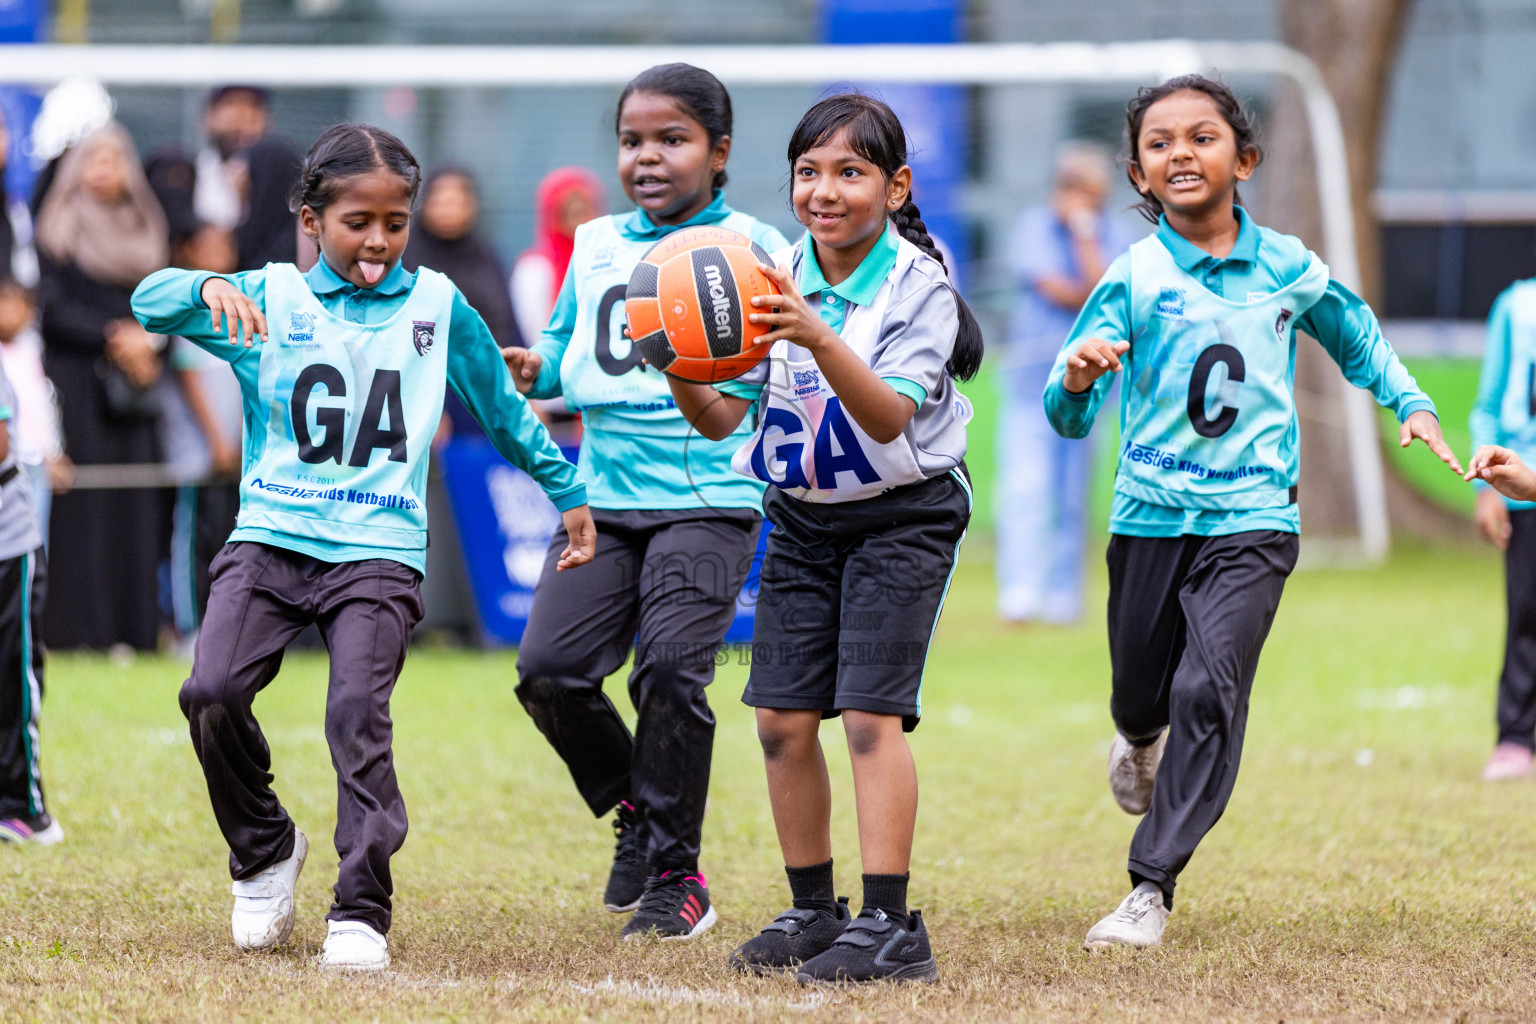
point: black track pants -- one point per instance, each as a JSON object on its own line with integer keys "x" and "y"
{"x": 1188, "y": 617}
{"x": 665, "y": 582}
{"x": 1517, "y": 683}
{"x": 23, "y": 584}
{"x": 261, "y": 598}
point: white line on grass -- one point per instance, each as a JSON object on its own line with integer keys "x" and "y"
{"x": 682, "y": 995}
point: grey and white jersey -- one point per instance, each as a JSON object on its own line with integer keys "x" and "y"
{"x": 18, "y": 521}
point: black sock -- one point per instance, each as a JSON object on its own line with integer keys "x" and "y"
{"x": 812, "y": 887}
{"x": 887, "y": 893}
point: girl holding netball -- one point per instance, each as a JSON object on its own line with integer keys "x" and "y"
{"x": 861, "y": 437}
{"x": 341, "y": 401}
{"x": 1200, "y": 320}
{"x": 678, "y": 527}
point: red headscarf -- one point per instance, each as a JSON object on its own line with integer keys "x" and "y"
{"x": 553, "y": 192}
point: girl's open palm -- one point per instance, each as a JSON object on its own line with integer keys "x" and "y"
{"x": 234, "y": 311}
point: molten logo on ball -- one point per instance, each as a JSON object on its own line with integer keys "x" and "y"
{"x": 688, "y": 302}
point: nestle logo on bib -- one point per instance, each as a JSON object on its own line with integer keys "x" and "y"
{"x": 1171, "y": 302}
{"x": 807, "y": 381}
{"x": 301, "y": 327}
{"x": 421, "y": 335}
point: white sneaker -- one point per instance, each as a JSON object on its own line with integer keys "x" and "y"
{"x": 354, "y": 946}
{"x": 50, "y": 836}
{"x": 1132, "y": 770}
{"x": 263, "y": 914}
{"x": 1137, "y": 921}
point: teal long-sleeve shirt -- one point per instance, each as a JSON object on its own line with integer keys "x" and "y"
{"x": 1261, "y": 261}
{"x": 1503, "y": 413}
{"x": 170, "y": 302}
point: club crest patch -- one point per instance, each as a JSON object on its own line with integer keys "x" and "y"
{"x": 1280, "y": 322}
{"x": 301, "y": 327}
{"x": 422, "y": 332}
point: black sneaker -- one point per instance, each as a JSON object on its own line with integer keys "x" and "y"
{"x": 794, "y": 937}
{"x": 626, "y": 879}
{"x": 874, "y": 948}
{"x": 675, "y": 906}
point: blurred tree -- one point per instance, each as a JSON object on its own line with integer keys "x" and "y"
{"x": 1354, "y": 43}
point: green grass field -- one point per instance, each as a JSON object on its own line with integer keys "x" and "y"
{"x": 1361, "y": 873}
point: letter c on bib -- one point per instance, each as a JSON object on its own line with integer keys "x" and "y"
{"x": 1199, "y": 383}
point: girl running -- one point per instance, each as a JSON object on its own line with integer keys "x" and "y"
{"x": 679, "y": 529}
{"x": 862, "y": 435}
{"x": 340, "y": 408}
{"x": 1201, "y": 318}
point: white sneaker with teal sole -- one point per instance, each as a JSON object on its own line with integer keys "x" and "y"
{"x": 353, "y": 946}
{"x": 1137, "y": 921}
{"x": 263, "y": 914}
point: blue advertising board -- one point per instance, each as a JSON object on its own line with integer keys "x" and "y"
{"x": 21, "y": 21}
{"x": 936, "y": 117}
{"x": 504, "y": 524}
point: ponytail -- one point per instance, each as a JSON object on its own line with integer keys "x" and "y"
{"x": 965, "y": 360}
{"x": 876, "y": 134}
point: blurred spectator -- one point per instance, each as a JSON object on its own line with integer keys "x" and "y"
{"x": 212, "y": 420}
{"x": 100, "y": 231}
{"x": 268, "y": 232}
{"x": 234, "y": 120}
{"x": 243, "y": 177}
{"x": 18, "y": 261}
{"x": 446, "y": 239}
{"x": 1059, "y": 252}
{"x": 567, "y": 198}
{"x": 35, "y": 428}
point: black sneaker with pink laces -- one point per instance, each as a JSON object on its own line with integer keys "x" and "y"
{"x": 675, "y": 905}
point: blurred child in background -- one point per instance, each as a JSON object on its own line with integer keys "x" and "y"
{"x": 35, "y": 434}
{"x": 1505, "y": 415}
{"x": 23, "y": 583}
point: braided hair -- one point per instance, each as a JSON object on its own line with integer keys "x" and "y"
{"x": 344, "y": 151}
{"x": 875, "y": 133}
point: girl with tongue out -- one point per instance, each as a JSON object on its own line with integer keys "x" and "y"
{"x": 341, "y": 399}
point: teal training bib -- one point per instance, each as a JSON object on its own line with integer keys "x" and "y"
{"x": 1210, "y": 416}
{"x": 351, "y": 411}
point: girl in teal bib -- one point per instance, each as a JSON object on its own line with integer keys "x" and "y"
{"x": 341, "y": 399}
{"x": 679, "y": 528}
{"x": 1199, "y": 320}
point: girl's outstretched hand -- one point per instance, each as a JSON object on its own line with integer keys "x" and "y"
{"x": 795, "y": 320}
{"x": 1426, "y": 428}
{"x": 1492, "y": 519}
{"x": 525, "y": 365}
{"x": 233, "y": 310}
{"x": 1092, "y": 360}
{"x": 1502, "y": 470}
{"x": 583, "y": 538}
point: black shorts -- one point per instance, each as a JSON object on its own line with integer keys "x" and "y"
{"x": 851, "y": 593}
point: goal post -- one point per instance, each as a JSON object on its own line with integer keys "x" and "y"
{"x": 978, "y": 64}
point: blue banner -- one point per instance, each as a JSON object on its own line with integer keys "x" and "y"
{"x": 21, "y": 21}
{"x": 936, "y": 117}
{"x": 504, "y": 523}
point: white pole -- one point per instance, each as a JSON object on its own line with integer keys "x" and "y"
{"x": 964, "y": 63}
